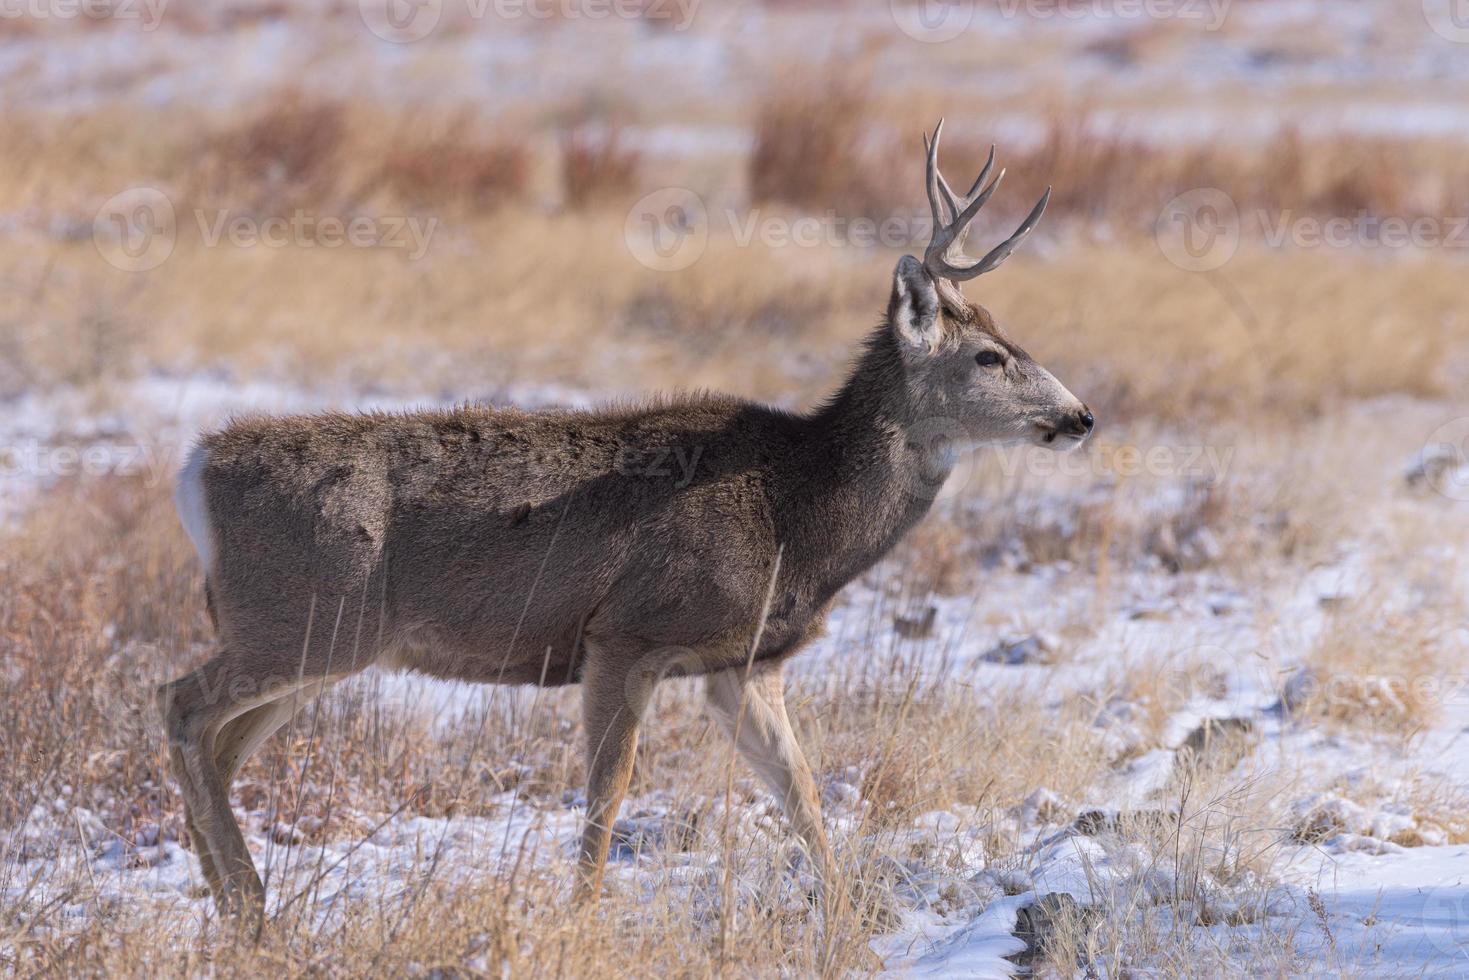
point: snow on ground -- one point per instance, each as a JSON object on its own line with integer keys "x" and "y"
{"x": 1376, "y": 889}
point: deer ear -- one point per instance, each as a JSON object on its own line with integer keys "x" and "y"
{"x": 913, "y": 310}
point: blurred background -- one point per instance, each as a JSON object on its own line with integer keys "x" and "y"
{"x": 494, "y": 154}
{"x": 1252, "y": 269}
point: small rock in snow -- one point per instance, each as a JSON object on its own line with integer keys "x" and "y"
{"x": 1037, "y": 648}
{"x": 1435, "y": 468}
{"x": 1038, "y": 922}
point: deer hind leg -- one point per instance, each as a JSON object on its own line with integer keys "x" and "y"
{"x": 201, "y": 846}
{"x": 614, "y": 696}
{"x": 198, "y": 709}
{"x": 235, "y": 742}
{"x": 750, "y": 708}
{"x": 242, "y": 736}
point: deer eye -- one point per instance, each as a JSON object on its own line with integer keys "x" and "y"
{"x": 988, "y": 358}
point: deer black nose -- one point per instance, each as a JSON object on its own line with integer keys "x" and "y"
{"x": 1079, "y": 423}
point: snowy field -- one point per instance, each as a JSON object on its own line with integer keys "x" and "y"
{"x": 1367, "y": 872}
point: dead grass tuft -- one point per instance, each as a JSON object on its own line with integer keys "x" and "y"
{"x": 814, "y": 148}
{"x": 596, "y": 164}
{"x": 1375, "y": 670}
{"x": 446, "y": 164}
{"x": 288, "y": 155}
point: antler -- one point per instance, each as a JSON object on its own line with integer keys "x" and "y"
{"x": 944, "y": 254}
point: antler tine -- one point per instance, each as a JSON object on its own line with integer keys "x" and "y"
{"x": 975, "y": 202}
{"x": 1002, "y": 251}
{"x": 957, "y": 227}
{"x": 985, "y": 172}
{"x": 948, "y": 237}
{"x": 935, "y": 182}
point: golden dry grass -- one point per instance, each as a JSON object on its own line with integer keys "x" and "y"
{"x": 1270, "y": 334}
{"x": 1275, "y": 331}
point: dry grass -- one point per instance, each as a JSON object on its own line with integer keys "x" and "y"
{"x": 1102, "y": 174}
{"x": 446, "y": 164}
{"x": 825, "y": 143}
{"x": 1269, "y": 336}
{"x": 1286, "y": 333}
{"x": 597, "y": 165}
{"x": 1377, "y": 670}
{"x": 288, "y": 152}
{"x": 813, "y": 148}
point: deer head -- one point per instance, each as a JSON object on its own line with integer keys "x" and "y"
{"x": 960, "y": 364}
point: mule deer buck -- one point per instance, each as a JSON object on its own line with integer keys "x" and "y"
{"x": 551, "y": 548}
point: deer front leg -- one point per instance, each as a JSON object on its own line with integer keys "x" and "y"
{"x": 751, "y": 709}
{"x": 613, "y": 699}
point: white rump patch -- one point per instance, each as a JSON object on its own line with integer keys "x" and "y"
{"x": 193, "y": 508}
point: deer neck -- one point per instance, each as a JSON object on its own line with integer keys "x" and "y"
{"x": 874, "y": 469}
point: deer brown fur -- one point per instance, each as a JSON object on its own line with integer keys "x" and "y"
{"x": 699, "y": 535}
